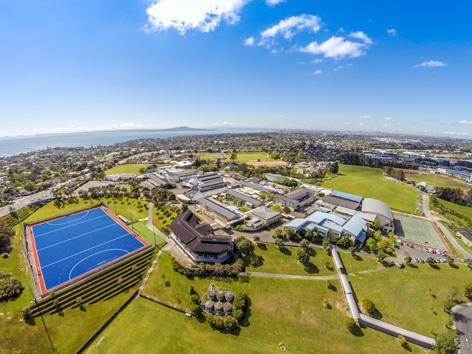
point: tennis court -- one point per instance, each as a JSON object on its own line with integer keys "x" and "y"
{"x": 71, "y": 247}
{"x": 418, "y": 231}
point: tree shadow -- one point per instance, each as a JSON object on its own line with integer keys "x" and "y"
{"x": 435, "y": 266}
{"x": 286, "y": 251}
{"x": 356, "y": 331}
{"x": 245, "y": 321}
{"x": 412, "y": 265}
{"x": 262, "y": 246}
{"x": 311, "y": 268}
{"x": 311, "y": 252}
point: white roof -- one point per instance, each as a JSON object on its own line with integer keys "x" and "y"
{"x": 375, "y": 206}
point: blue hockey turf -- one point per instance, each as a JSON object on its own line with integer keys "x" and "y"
{"x": 76, "y": 244}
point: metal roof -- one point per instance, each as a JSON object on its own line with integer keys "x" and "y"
{"x": 348, "y": 196}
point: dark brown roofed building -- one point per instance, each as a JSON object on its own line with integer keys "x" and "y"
{"x": 198, "y": 241}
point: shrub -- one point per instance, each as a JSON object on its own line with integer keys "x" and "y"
{"x": 240, "y": 305}
{"x": 368, "y": 306}
{"x": 468, "y": 291}
{"x": 10, "y": 288}
{"x": 350, "y": 324}
{"x": 446, "y": 343}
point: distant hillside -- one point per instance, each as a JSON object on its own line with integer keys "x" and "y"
{"x": 184, "y": 128}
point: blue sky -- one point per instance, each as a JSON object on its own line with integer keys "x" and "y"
{"x": 394, "y": 66}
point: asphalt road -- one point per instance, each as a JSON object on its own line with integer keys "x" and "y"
{"x": 25, "y": 201}
{"x": 463, "y": 324}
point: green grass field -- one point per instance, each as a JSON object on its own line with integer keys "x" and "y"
{"x": 458, "y": 215}
{"x": 126, "y": 168}
{"x": 251, "y": 156}
{"x": 213, "y": 156}
{"x": 438, "y": 180}
{"x": 283, "y": 312}
{"x": 153, "y": 238}
{"x": 404, "y": 297}
{"x": 370, "y": 183}
{"x": 66, "y": 335}
{"x": 286, "y": 263}
{"x": 418, "y": 231}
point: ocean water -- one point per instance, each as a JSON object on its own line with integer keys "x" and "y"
{"x": 18, "y": 145}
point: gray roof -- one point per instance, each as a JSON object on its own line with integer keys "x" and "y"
{"x": 375, "y": 206}
{"x": 256, "y": 186}
{"x": 265, "y": 213}
{"x": 244, "y": 197}
{"x": 218, "y": 208}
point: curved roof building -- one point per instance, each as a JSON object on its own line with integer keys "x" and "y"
{"x": 382, "y": 210}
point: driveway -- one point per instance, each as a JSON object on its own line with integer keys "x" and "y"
{"x": 463, "y": 324}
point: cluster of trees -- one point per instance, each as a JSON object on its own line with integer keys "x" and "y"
{"x": 162, "y": 195}
{"x": 6, "y": 234}
{"x": 395, "y": 173}
{"x": 207, "y": 270}
{"x": 382, "y": 246}
{"x": 358, "y": 158}
{"x": 232, "y": 323}
{"x": 303, "y": 253}
{"x": 247, "y": 253}
{"x": 10, "y": 288}
{"x": 289, "y": 182}
{"x": 455, "y": 195}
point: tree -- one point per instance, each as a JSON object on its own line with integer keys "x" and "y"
{"x": 450, "y": 260}
{"x": 246, "y": 247}
{"x": 468, "y": 261}
{"x": 408, "y": 260}
{"x": 291, "y": 234}
{"x": 303, "y": 256}
{"x": 277, "y": 233}
{"x": 10, "y": 288}
{"x": 446, "y": 343}
{"x": 468, "y": 291}
{"x": 327, "y": 244}
{"x": 430, "y": 261}
{"x": 305, "y": 244}
{"x": 280, "y": 244}
{"x": 369, "y": 306}
{"x": 6, "y": 234}
{"x": 334, "y": 168}
{"x": 233, "y": 156}
{"x": 350, "y": 324}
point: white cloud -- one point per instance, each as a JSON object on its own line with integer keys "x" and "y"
{"x": 318, "y": 72}
{"x": 184, "y": 15}
{"x": 274, "y": 2}
{"x": 249, "y": 41}
{"x": 388, "y": 119}
{"x": 340, "y": 47}
{"x": 467, "y": 122}
{"x": 392, "y": 32}
{"x": 432, "y": 64}
{"x": 361, "y": 36}
{"x": 292, "y": 25}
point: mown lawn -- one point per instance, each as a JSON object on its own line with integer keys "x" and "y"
{"x": 412, "y": 297}
{"x": 132, "y": 209}
{"x": 283, "y": 312}
{"x": 437, "y": 180}
{"x": 286, "y": 262}
{"x": 459, "y": 216}
{"x": 142, "y": 230}
{"x": 251, "y": 156}
{"x": 371, "y": 183}
{"x": 130, "y": 168}
{"x": 68, "y": 332}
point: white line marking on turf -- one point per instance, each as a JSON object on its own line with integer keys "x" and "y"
{"x": 88, "y": 249}
{"x": 53, "y": 223}
{"x": 68, "y": 226}
{"x": 111, "y": 249}
{"x": 73, "y": 238}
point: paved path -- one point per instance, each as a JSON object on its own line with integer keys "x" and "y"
{"x": 291, "y": 276}
{"x": 463, "y": 324}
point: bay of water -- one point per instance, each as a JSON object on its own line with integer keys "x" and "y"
{"x": 17, "y": 145}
